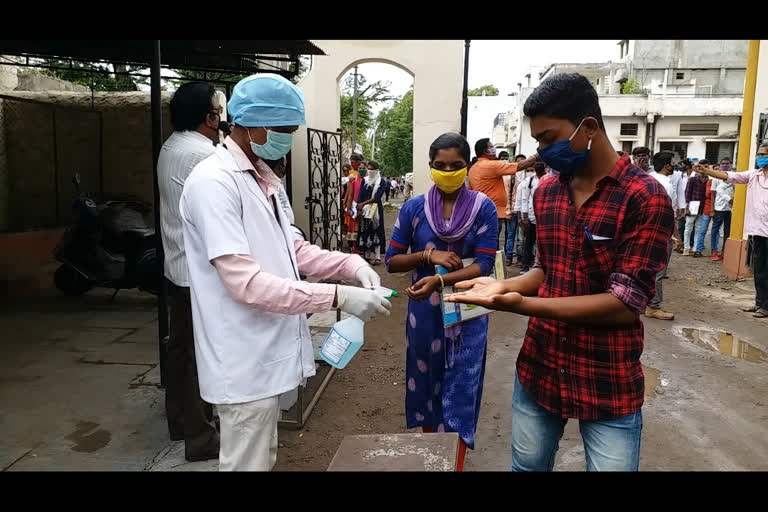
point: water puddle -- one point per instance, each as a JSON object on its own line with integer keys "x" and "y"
{"x": 652, "y": 380}
{"x": 725, "y": 343}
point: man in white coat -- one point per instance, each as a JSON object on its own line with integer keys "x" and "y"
{"x": 249, "y": 305}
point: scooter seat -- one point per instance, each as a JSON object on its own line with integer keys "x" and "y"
{"x": 141, "y": 231}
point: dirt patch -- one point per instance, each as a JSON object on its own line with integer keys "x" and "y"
{"x": 697, "y": 395}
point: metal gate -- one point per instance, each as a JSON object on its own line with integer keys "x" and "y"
{"x": 324, "y": 200}
{"x": 324, "y": 204}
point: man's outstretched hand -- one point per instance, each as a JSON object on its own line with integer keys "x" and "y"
{"x": 486, "y": 292}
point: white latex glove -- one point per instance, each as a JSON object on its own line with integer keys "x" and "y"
{"x": 367, "y": 277}
{"x": 362, "y": 303}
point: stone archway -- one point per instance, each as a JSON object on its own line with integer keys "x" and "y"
{"x": 437, "y": 69}
{"x": 392, "y": 67}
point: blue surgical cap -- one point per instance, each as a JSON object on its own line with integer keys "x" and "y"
{"x": 266, "y": 100}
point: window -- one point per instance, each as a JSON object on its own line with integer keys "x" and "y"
{"x": 623, "y": 48}
{"x": 762, "y": 131}
{"x": 699, "y": 129}
{"x": 628, "y": 129}
{"x": 626, "y": 146}
{"x": 679, "y": 76}
{"x": 680, "y": 149}
{"x": 719, "y": 150}
{"x": 598, "y": 81}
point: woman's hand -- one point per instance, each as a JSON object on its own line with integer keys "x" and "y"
{"x": 448, "y": 259}
{"x": 423, "y": 288}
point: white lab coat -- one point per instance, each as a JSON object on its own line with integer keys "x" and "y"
{"x": 242, "y": 354}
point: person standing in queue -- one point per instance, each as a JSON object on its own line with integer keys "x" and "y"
{"x": 249, "y": 305}
{"x": 487, "y": 176}
{"x": 372, "y": 240}
{"x": 755, "y": 222}
{"x": 445, "y": 366}
{"x": 356, "y": 176}
{"x": 195, "y": 115}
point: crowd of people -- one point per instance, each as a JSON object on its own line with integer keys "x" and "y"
{"x": 364, "y": 191}
{"x": 591, "y": 228}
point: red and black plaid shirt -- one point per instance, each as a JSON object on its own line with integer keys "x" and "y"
{"x": 589, "y": 372}
{"x": 696, "y": 190}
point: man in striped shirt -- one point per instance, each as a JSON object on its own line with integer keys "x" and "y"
{"x": 195, "y": 114}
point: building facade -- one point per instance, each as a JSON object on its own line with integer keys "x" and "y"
{"x": 684, "y": 96}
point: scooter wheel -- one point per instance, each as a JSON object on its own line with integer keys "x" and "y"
{"x": 70, "y": 281}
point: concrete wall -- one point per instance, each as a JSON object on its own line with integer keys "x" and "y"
{"x": 9, "y": 78}
{"x": 668, "y": 129}
{"x": 719, "y": 63}
{"x": 613, "y": 129}
{"x": 13, "y": 78}
{"x": 32, "y": 80}
{"x": 111, "y": 138}
{"x": 637, "y": 104}
{"x": 689, "y": 53}
{"x": 4, "y": 191}
{"x": 437, "y": 68}
{"x": 634, "y": 109}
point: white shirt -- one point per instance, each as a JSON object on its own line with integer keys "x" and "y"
{"x": 243, "y": 354}
{"x": 528, "y": 187}
{"x": 681, "y": 203}
{"x": 723, "y": 195}
{"x": 675, "y": 179}
{"x": 178, "y": 156}
{"x": 666, "y": 182}
{"x": 521, "y": 202}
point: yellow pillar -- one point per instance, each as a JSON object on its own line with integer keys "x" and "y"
{"x": 745, "y": 139}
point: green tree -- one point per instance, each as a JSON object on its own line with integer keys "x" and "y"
{"x": 92, "y": 74}
{"x": 631, "y": 86}
{"x": 394, "y": 137}
{"x": 489, "y": 90}
{"x": 368, "y": 96}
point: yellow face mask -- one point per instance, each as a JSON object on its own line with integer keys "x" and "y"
{"x": 449, "y": 182}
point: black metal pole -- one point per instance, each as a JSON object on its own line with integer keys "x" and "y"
{"x": 464, "y": 101}
{"x": 157, "y": 143}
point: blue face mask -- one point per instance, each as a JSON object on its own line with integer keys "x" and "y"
{"x": 762, "y": 162}
{"x": 562, "y": 157}
{"x": 276, "y": 147}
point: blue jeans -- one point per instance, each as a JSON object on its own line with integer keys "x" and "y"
{"x": 609, "y": 445}
{"x": 511, "y": 236}
{"x": 720, "y": 219}
{"x": 702, "y": 233}
{"x": 520, "y": 243}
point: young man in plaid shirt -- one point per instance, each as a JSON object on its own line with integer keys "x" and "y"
{"x": 602, "y": 232}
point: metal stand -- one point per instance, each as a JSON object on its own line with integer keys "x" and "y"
{"x": 302, "y": 415}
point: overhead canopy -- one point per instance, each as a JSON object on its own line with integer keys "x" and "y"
{"x": 241, "y": 57}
